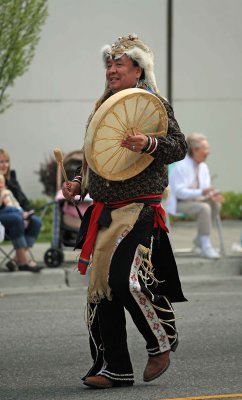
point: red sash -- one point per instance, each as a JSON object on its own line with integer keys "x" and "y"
{"x": 153, "y": 200}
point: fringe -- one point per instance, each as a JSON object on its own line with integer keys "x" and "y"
{"x": 146, "y": 271}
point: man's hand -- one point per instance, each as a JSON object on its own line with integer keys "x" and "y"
{"x": 217, "y": 198}
{"x": 70, "y": 190}
{"x": 213, "y": 195}
{"x": 208, "y": 191}
{"x": 135, "y": 141}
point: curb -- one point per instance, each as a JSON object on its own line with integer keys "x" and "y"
{"x": 24, "y": 282}
{"x": 225, "y": 266}
{"x": 68, "y": 278}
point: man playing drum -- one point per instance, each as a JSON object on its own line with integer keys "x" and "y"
{"x": 123, "y": 234}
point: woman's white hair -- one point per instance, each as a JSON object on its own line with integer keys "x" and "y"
{"x": 194, "y": 141}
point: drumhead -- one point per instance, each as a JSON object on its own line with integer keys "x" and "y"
{"x": 123, "y": 112}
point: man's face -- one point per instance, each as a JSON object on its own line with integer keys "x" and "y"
{"x": 200, "y": 153}
{"x": 122, "y": 74}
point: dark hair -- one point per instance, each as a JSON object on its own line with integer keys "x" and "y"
{"x": 136, "y": 64}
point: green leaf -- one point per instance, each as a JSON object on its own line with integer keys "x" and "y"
{"x": 20, "y": 26}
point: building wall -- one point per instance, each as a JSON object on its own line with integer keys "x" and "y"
{"x": 52, "y": 101}
{"x": 208, "y": 81}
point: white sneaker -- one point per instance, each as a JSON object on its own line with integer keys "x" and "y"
{"x": 196, "y": 242}
{"x": 197, "y": 246}
{"x": 210, "y": 252}
{"x": 237, "y": 248}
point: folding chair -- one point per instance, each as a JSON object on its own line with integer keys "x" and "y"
{"x": 2, "y": 232}
{"x": 2, "y": 238}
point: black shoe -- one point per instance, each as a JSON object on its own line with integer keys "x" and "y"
{"x": 12, "y": 266}
{"x": 29, "y": 268}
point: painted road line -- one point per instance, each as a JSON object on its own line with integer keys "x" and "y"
{"x": 238, "y": 396}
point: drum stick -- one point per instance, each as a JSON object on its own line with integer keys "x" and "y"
{"x": 59, "y": 159}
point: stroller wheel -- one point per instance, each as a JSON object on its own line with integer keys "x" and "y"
{"x": 53, "y": 257}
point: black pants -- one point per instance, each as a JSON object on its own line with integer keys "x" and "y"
{"x": 137, "y": 292}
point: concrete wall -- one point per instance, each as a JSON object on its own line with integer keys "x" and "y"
{"x": 208, "y": 81}
{"x": 52, "y": 101}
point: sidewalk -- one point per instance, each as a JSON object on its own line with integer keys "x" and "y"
{"x": 191, "y": 266}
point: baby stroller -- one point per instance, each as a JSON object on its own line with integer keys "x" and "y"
{"x": 66, "y": 221}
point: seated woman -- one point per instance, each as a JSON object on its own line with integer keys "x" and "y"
{"x": 7, "y": 199}
{"x": 12, "y": 219}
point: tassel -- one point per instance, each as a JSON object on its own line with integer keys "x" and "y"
{"x": 82, "y": 266}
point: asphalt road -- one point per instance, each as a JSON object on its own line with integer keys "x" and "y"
{"x": 44, "y": 347}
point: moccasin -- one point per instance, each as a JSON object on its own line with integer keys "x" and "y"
{"x": 156, "y": 366}
{"x": 102, "y": 382}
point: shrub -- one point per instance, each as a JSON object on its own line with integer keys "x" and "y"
{"x": 47, "y": 176}
{"x": 232, "y": 206}
{"x": 46, "y": 229}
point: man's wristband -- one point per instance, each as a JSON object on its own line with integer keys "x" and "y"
{"x": 153, "y": 146}
{"x": 147, "y": 146}
{"x": 78, "y": 179}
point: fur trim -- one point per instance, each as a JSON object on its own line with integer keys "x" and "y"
{"x": 145, "y": 60}
{"x": 106, "y": 52}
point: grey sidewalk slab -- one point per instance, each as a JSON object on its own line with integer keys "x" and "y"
{"x": 18, "y": 282}
{"x": 191, "y": 266}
